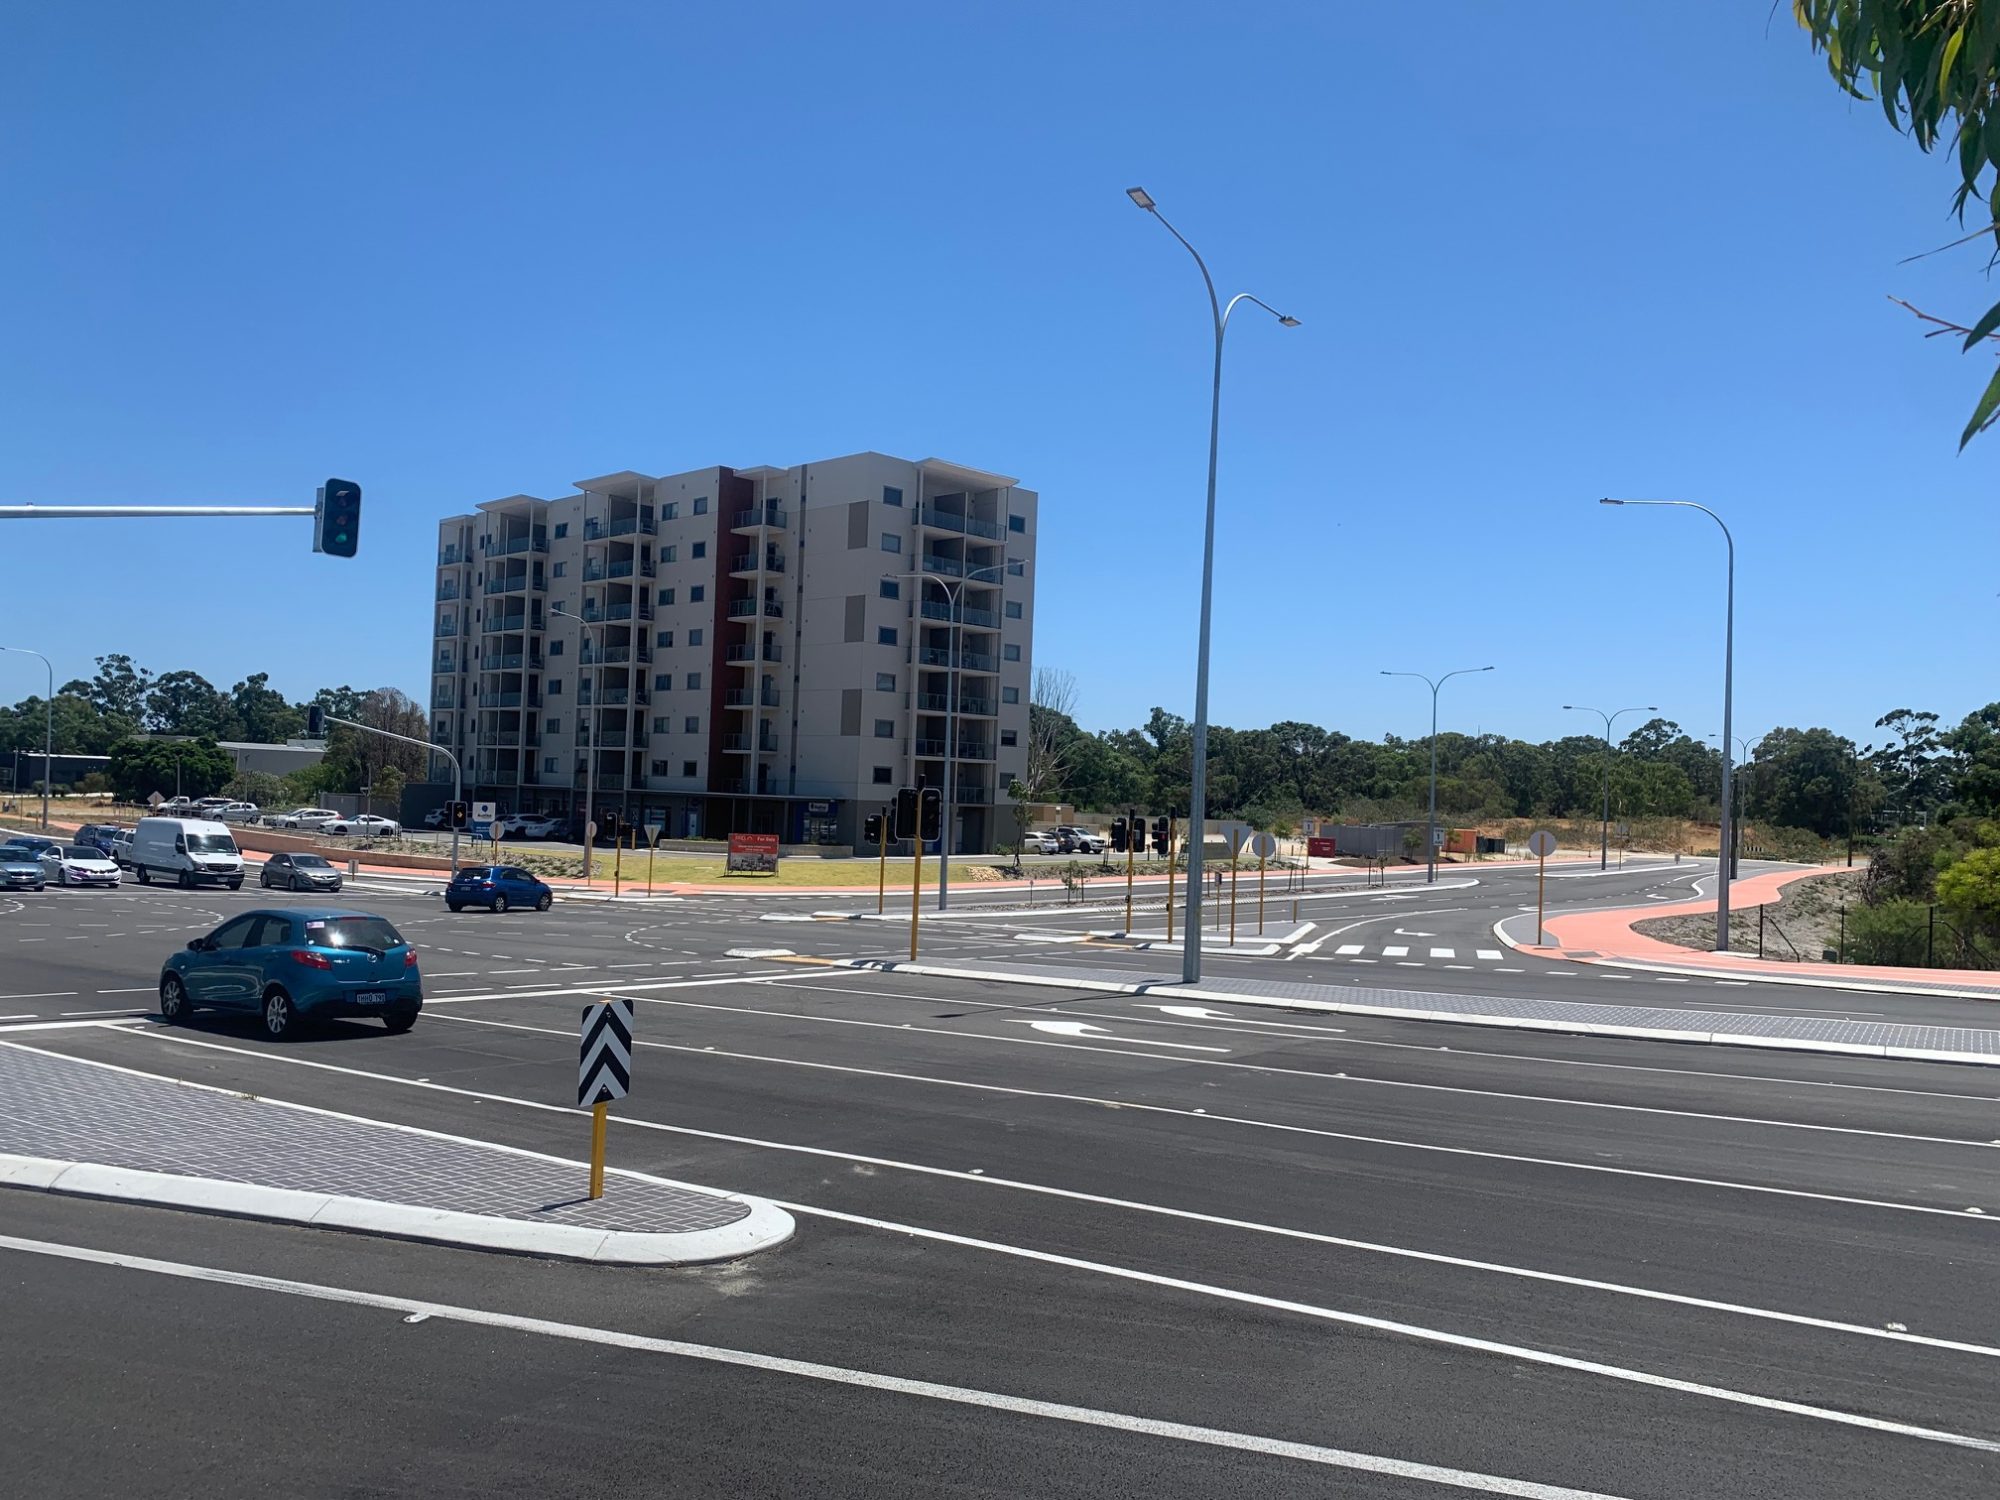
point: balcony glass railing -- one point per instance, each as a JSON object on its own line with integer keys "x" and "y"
{"x": 447, "y": 626}
{"x": 499, "y": 700}
{"x": 980, "y": 706}
{"x": 740, "y": 743}
{"x": 930, "y": 749}
{"x": 932, "y": 703}
{"x": 622, "y": 568}
{"x": 946, "y": 520}
{"x": 447, "y": 557}
{"x": 748, "y": 562}
{"x": 948, "y": 566}
{"x": 974, "y": 750}
{"x": 447, "y": 591}
{"x": 743, "y": 609}
{"x": 770, "y": 515}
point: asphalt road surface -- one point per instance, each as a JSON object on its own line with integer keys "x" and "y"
{"x": 1049, "y": 1244}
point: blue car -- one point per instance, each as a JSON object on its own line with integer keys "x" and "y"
{"x": 497, "y": 887}
{"x": 293, "y": 966}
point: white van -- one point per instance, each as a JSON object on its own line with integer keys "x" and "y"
{"x": 190, "y": 850}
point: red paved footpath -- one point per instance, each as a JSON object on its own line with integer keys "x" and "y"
{"x": 1607, "y": 936}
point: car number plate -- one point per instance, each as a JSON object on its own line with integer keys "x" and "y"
{"x": 372, "y": 997}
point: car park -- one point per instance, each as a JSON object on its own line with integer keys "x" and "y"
{"x": 101, "y": 836}
{"x": 295, "y": 966}
{"x": 364, "y": 825}
{"x": 79, "y": 864}
{"x": 187, "y": 850}
{"x": 299, "y": 872}
{"x": 20, "y": 870}
{"x": 497, "y": 888}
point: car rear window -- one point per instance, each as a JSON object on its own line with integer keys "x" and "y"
{"x": 352, "y": 932}
{"x": 475, "y": 872}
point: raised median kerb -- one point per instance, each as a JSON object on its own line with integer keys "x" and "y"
{"x": 90, "y": 1129}
{"x": 1607, "y": 937}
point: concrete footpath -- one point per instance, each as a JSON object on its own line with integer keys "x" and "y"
{"x": 68, "y": 1125}
{"x": 1720, "y": 1027}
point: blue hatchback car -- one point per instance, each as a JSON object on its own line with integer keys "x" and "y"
{"x": 497, "y": 888}
{"x": 293, "y": 966}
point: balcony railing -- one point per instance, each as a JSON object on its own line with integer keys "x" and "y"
{"x": 980, "y": 706}
{"x": 972, "y": 796}
{"x": 932, "y": 703}
{"x": 933, "y": 609}
{"x": 739, "y": 743}
{"x": 747, "y": 562}
{"x": 447, "y": 557}
{"x": 770, "y": 515}
{"x": 738, "y": 698}
{"x": 444, "y": 664}
{"x": 930, "y": 749}
{"x": 945, "y": 520}
{"x": 499, "y": 700}
{"x": 447, "y": 591}
{"x": 950, "y": 567}
{"x": 508, "y": 661}
{"x": 447, "y": 627}
{"x": 974, "y": 750}
{"x": 743, "y": 651}
{"x": 743, "y": 609}
{"x": 518, "y": 544}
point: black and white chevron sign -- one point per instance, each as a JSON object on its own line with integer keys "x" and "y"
{"x": 604, "y": 1060}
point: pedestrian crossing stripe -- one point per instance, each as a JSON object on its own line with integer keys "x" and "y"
{"x": 604, "y": 1054}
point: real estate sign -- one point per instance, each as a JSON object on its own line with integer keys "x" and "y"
{"x": 753, "y": 853}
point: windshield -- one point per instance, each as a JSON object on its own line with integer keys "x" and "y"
{"x": 13, "y": 854}
{"x": 82, "y": 851}
{"x": 371, "y": 933}
{"x": 309, "y": 862}
{"x": 210, "y": 843}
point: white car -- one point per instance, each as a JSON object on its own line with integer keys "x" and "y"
{"x": 121, "y": 848}
{"x": 528, "y": 826}
{"x": 79, "y": 864}
{"x": 1038, "y": 842}
{"x": 365, "y": 825}
{"x": 236, "y": 812}
{"x": 303, "y": 817}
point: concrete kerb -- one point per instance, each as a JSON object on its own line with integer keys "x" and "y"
{"x": 1057, "y": 980}
{"x": 766, "y": 1224}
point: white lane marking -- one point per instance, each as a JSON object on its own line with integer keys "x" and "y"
{"x": 552, "y": 992}
{"x": 1396, "y": 952}
{"x": 1460, "y": 1262}
{"x": 136, "y": 989}
{"x": 836, "y": 1374}
{"x": 28, "y": 1016}
{"x": 537, "y": 969}
{"x": 119, "y": 1010}
{"x": 1444, "y": 953}
{"x": 1348, "y": 950}
{"x": 41, "y": 995}
{"x": 1085, "y": 1029}
{"x": 173, "y": 1038}
{"x": 1665, "y": 980}
{"x": 1491, "y": 955}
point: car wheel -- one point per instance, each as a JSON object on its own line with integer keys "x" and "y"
{"x": 281, "y": 1018}
{"x": 145, "y": 876}
{"x": 544, "y": 901}
{"x": 298, "y": 884}
{"x": 399, "y": 1021}
{"x": 174, "y": 1006}
{"x": 499, "y": 901}
{"x": 186, "y": 881}
{"x": 456, "y": 905}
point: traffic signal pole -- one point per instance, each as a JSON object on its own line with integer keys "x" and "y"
{"x": 1128, "y": 886}
{"x": 916, "y": 891}
{"x": 457, "y": 771}
{"x": 882, "y": 869}
{"x": 1170, "y": 882}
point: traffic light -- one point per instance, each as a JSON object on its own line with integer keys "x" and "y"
{"x": 1159, "y": 835}
{"x": 337, "y": 518}
{"x": 461, "y": 814}
{"x": 931, "y": 813}
{"x": 1119, "y": 842}
{"x": 904, "y": 824}
{"x": 607, "y": 826}
{"x": 871, "y": 829}
{"x": 315, "y": 723}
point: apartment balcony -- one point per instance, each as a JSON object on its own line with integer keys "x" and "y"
{"x": 950, "y": 567}
{"x": 738, "y": 744}
{"x": 972, "y": 796}
{"x": 743, "y": 651}
{"x": 749, "y": 564}
{"x": 448, "y": 626}
{"x": 609, "y": 656}
{"x": 447, "y": 591}
{"x": 510, "y": 661}
{"x": 449, "y": 557}
{"x": 444, "y": 698}
{"x": 514, "y": 546}
{"x": 945, "y": 520}
{"x": 933, "y": 703}
{"x": 444, "y": 664}
{"x": 745, "y": 609}
{"x": 930, "y": 749}
{"x": 966, "y": 615}
{"x": 499, "y": 700}
{"x": 770, "y": 516}
{"x": 979, "y": 707}
{"x": 506, "y": 739}
{"x": 975, "y": 750}
{"x": 615, "y": 698}
{"x": 744, "y": 697}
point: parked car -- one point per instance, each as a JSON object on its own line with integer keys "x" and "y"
{"x": 237, "y": 812}
{"x": 497, "y": 888}
{"x": 1080, "y": 840}
{"x": 190, "y": 850}
{"x": 308, "y": 818}
{"x": 121, "y": 848}
{"x": 1037, "y": 842}
{"x": 175, "y": 807}
{"x": 206, "y": 807}
{"x": 31, "y": 844}
{"x": 294, "y": 966}
{"x": 299, "y": 872}
{"x": 364, "y": 825}
{"x": 20, "y": 870}
{"x": 79, "y": 864}
{"x": 100, "y": 836}
{"x": 530, "y": 826}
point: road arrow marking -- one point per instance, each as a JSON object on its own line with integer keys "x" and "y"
{"x": 1412, "y": 932}
{"x": 1092, "y": 1033}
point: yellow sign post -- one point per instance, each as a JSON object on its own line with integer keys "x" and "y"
{"x": 600, "y": 1115}
{"x": 604, "y": 1073}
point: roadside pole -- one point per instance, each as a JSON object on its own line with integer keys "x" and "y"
{"x": 653, "y": 853}
{"x": 617, "y": 864}
{"x": 604, "y": 1073}
{"x": 457, "y": 772}
{"x": 916, "y": 890}
{"x": 882, "y": 868}
{"x": 1235, "y": 864}
{"x": 1541, "y": 844}
{"x": 1128, "y": 879}
{"x": 1170, "y": 881}
{"x": 1260, "y": 896}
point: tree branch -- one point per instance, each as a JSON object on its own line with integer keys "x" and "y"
{"x": 1944, "y": 326}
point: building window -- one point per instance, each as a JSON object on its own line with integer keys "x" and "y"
{"x": 660, "y": 727}
{"x": 699, "y": 549}
{"x": 664, "y": 638}
{"x": 694, "y": 636}
{"x": 561, "y": 568}
{"x": 891, "y": 542}
{"x": 885, "y": 729}
{"x": 1016, "y": 567}
{"x": 687, "y": 768}
{"x": 891, "y": 495}
{"x": 885, "y": 682}
{"x": 691, "y": 724}
{"x": 1010, "y": 695}
{"x": 890, "y": 589}
{"x": 884, "y": 775}
{"x": 701, "y": 505}
{"x": 562, "y": 530}
{"x": 555, "y": 687}
{"x": 697, "y": 592}
{"x": 670, "y": 511}
{"x": 1010, "y": 653}
{"x": 1013, "y": 609}
{"x": 663, "y": 682}
{"x": 1007, "y": 737}
{"x": 670, "y": 554}
{"x": 548, "y": 763}
{"x": 693, "y": 681}
{"x": 555, "y": 648}
{"x": 885, "y": 635}
{"x": 663, "y": 768}
{"x": 1017, "y": 523}
{"x": 552, "y": 724}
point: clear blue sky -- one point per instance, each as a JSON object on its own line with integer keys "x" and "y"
{"x": 1541, "y": 253}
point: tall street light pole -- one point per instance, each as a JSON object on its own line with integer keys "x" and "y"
{"x": 1432, "y": 830}
{"x": 596, "y": 697}
{"x": 1198, "y": 771}
{"x": 48, "y": 726}
{"x": 954, "y": 595}
{"x": 1728, "y": 700}
{"x": 1604, "y": 833}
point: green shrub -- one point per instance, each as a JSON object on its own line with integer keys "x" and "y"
{"x": 1894, "y": 932}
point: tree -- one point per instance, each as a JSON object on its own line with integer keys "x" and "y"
{"x": 259, "y": 787}
{"x": 141, "y": 767}
{"x": 1045, "y": 766}
{"x": 1911, "y": 770}
{"x": 262, "y": 714}
{"x": 1934, "y": 66}
{"x": 119, "y": 688}
{"x": 1975, "y": 761}
{"x": 187, "y": 703}
{"x": 387, "y": 786}
{"x": 1971, "y": 888}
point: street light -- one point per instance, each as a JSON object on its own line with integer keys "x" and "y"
{"x": 48, "y": 726}
{"x": 1198, "y": 769}
{"x": 1728, "y": 700}
{"x": 1432, "y": 867}
{"x": 1604, "y": 833}
{"x": 596, "y": 698}
{"x": 954, "y": 595}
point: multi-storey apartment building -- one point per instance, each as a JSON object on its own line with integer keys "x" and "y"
{"x": 768, "y": 650}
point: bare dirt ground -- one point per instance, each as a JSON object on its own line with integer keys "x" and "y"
{"x": 1803, "y": 924}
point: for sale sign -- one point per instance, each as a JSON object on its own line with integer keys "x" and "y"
{"x": 753, "y": 853}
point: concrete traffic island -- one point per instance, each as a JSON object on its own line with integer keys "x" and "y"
{"x": 92, "y": 1130}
